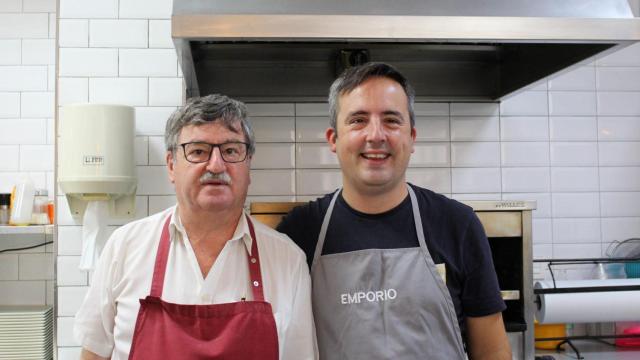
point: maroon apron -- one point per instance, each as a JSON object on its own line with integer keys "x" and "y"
{"x": 240, "y": 330}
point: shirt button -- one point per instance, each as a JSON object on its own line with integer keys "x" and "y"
{"x": 253, "y": 260}
{"x": 256, "y": 284}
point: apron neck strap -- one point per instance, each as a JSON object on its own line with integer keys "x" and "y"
{"x": 323, "y": 230}
{"x": 160, "y": 267}
{"x": 254, "y": 265}
{"x": 325, "y": 224}
{"x": 417, "y": 219}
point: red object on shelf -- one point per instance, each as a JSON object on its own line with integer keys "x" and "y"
{"x": 630, "y": 342}
{"x": 50, "y": 212}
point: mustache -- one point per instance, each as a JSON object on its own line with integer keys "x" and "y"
{"x": 211, "y": 176}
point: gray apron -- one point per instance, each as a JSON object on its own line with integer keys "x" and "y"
{"x": 382, "y": 303}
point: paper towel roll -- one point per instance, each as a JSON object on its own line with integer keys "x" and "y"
{"x": 94, "y": 233}
{"x": 605, "y": 306}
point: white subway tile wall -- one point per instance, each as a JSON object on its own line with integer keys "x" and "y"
{"x": 73, "y": 33}
{"x": 312, "y": 155}
{"x": 27, "y": 103}
{"x": 125, "y": 91}
{"x": 160, "y": 34}
{"x": 269, "y": 182}
{"x": 475, "y": 128}
{"x": 475, "y": 180}
{"x": 38, "y": 51}
{"x": 118, "y": 33}
{"x": 525, "y": 179}
{"x": 526, "y": 153}
{"x": 430, "y": 154}
{"x": 431, "y": 128}
{"x": 574, "y": 179}
{"x": 11, "y": 6}
{"x": 573, "y": 128}
{"x": 151, "y": 120}
{"x": 524, "y": 128}
{"x": 141, "y": 150}
{"x": 70, "y": 298}
{"x": 73, "y": 90}
{"x": 24, "y": 26}
{"x": 88, "y": 62}
{"x": 582, "y": 78}
{"x": 148, "y": 62}
{"x": 576, "y": 230}
{"x": 165, "y": 91}
{"x": 475, "y": 154}
{"x": 619, "y": 128}
{"x": 274, "y": 156}
{"x": 618, "y": 79}
{"x": 618, "y": 103}
{"x": 23, "y": 78}
{"x": 9, "y": 105}
{"x": 572, "y": 145}
{"x": 574, "y": 154}
{"x": 568, "y": 103}
{"x": 11, "y": 51}
{"x": 156, "y": 152}
{"x": 526, "y": 103}
{"x": 9, "y": 268}
{"x": 620, "y": 178}
{"x": 543, "y": 230}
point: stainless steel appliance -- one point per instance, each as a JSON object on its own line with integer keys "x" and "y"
{"x": 452, "y": 50}
{"x": 508, "y": 227}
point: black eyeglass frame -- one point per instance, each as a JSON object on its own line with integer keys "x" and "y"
{"x": 213, "y": 146}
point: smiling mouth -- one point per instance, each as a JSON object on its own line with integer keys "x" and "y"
{"x": 375, "y": 156}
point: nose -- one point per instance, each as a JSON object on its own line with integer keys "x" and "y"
{"x": 375, "y": 131}
{"x": 215, "y": 163}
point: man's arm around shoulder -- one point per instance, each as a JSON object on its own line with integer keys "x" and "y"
{"x": 487, "y": 338}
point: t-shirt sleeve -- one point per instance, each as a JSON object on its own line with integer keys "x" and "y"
{"x": 287, "y": 224}
{"x": 95, "y": 320}
{"x": 480, "y": 290}
{"x": 299, "y": 225}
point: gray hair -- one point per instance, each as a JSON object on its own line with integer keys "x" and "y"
{"x": 208, "y": 109}
{"x": 353, "y": 77}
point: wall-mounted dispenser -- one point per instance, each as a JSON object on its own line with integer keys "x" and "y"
{"x": 96, "y": 160}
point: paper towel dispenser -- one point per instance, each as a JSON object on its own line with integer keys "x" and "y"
{"x": 96, "y": 157}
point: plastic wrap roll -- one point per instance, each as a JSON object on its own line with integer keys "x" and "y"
{"x": 605, "y": 306}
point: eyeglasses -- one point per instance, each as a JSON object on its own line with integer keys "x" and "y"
{"x": 199, "y": 152}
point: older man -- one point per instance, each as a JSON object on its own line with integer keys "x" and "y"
{"x": 201, "y": 279}
{"x": 397, "y": 270}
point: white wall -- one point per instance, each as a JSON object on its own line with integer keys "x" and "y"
{"x": 573, "y": 144}
{"x": 27, "y": 83}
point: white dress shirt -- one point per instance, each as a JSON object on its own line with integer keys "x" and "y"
{"x": 106, "y": 320}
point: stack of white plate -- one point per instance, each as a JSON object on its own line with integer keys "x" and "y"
{"x": 26, "y": 332}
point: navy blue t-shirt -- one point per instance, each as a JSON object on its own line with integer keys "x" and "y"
{"x": 453, "y": 233}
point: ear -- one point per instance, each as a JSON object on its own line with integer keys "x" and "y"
{"x": 413, "y": 138}
{"x": 331, "y": 136}
{"x": 170, "y": 166}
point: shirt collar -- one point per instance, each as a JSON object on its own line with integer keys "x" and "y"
{"x": 241, "y": 233}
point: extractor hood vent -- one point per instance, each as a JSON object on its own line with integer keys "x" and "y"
{"x": 253, "y": 51}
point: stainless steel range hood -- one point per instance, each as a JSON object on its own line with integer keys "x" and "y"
{"x": 451, "y": 50}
